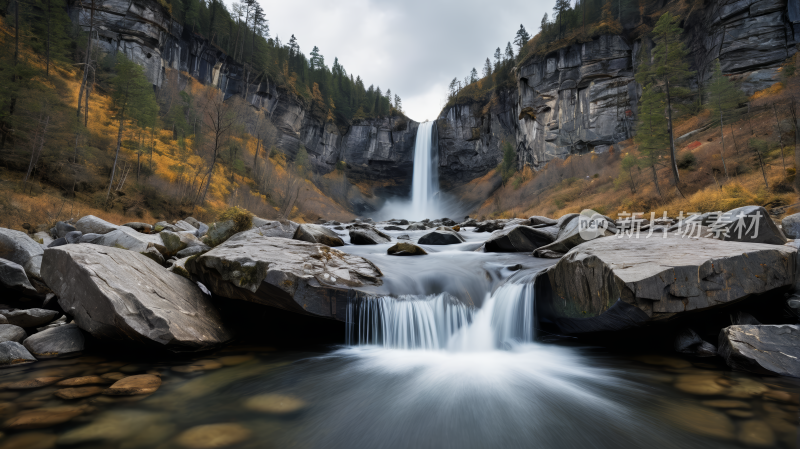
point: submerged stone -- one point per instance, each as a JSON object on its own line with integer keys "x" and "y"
{"x": 277, "y": 404}
{"x": 134, "y": 385}
{"x": 213, "y": 436}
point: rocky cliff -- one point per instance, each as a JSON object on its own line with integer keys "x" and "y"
{"x": 583, "y": 97}
{"x": 144, "y": 31}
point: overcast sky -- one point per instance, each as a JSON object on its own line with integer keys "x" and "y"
{"x": 414, "y": 47}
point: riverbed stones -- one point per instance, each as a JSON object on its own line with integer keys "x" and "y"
{"x": 13, "y": 353}
{"x": 17, "y": 247}
{"x": 90, "y": 224}
{"x": 29, "y": 384}
{"x": 10, "y": 332}
{"x": 83, "y": 381}
{"x": 276, "y": 404}
{"x": 540, "y": 220}
{"x": 124, "y": 296}
{"x": 406, "y": 249}
{"x": 79, "y": 392}
{"x": 309, "y": 278}
{"x": 756, "y": 433}
{"x": 519, "y": 238}
{"x": 214, "y": 436}
{"x": 441, "y": 238}
{"x": 56, "y": 341}
{"x": 317, "y": 234}
{"x": 114, "y": 426}
{"x": 608, "y": 284}
{"x": 13, "y": 280}
{"x": 44, "y": 417}
{"x": 30, "y": 440}
{"x": 763, "y": 349}
{"x": 700, "y": 420}
{"x": 197, "y": 366}
{"x": 368, "y": 235}
{"x": 134, "y": 385}
{"x": 284, "y": 229}
{"x": 29, "y": 318}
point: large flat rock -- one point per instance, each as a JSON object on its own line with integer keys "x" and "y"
{"x": 122, "y": 295}
{"x": 294, "y": 275}
{"x": 763, "y": 349}
{"x": 615, "y": 283}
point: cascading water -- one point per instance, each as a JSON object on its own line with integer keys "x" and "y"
{"x": 442, "y": 322}
{"x": 425, "y": 182}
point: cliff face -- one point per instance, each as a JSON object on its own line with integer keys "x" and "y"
{"x": 143, "y": 30}
{"x": 584, "y": 97}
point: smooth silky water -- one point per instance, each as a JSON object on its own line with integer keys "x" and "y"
{"x": 446, "y": 354}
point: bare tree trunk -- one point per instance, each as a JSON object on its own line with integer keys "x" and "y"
{"x": 633, "y": 185}
{"x": 86, "y": 63}
{"x": 722, "y": 152}
{"x": 780, "y": 137}
{"x": 37, "y": 148}
{"x": 116, "y": 156}
{"x": 655, "y": 181}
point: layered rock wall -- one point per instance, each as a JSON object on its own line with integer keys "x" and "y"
{"x": 583, "y": 98}
{"x": 144, "y": 31}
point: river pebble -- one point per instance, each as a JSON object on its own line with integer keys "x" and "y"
{"x": 79, "y": 392}
{"x": 116, "y": 375}
{"x": 213, "y": 436}
{"x": 38, "y": 382}
{"x": 116, "y": 425}
{"x": 134, "y": 385}
{"x": 755, "y": 433}
{"x": 701, "y": 420}
{"x": 278, "y": 404}
{"x": 43, "y": 417}
{"x": 85, "y": 380}
{"x": 30, "y": 440}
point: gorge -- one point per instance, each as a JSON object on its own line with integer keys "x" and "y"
{"x": 413, "y": 301}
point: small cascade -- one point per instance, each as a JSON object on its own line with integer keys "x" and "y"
{"x": 441, "y": 322}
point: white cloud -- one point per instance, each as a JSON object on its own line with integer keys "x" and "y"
{"x": 414, "y": 47}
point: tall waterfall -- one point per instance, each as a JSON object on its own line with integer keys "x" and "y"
{"x": 425, "y": 183}
{"x": 441, "y": 322}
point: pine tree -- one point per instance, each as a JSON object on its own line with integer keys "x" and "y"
{"x": 453, "y": 88}
{"x": 522, "y": 37}
{"x": 560, "y": 8}
{"x": 317, "y": 61}
{"x": 473, "y": 76}
{"x": 398, "y": 104}
{"x": 669, "y": 70}
{"x": 132, "y": 99}
{"x": 487, "y": 67}
{"x": 545, "y": 22}
{"x": 294, "y": 47}
{"x": 509, "y": 52}
{"x": 723, "y": 96}
{"x": 651, "y": 130}
{"x": 192, "y": 14}
{"x": 498, "y": 57}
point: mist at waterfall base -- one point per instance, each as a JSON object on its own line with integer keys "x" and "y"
{"x": 426, "y": 200}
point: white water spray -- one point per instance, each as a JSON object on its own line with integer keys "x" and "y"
{"x": 442, "y": 322}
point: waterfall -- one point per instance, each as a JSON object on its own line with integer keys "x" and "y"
{"x": 425, "y": 182}
{"x": 441, "y": 322}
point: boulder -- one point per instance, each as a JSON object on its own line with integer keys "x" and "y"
{"x": 539, "y": 220}
{"x": 768, "y": 232}
{"x": 489, "y": 225}
{"x": 317, "y": 234}
{"x": 569, "y": 236}
{"x": 202, "y": 230}
{"x": 393, "y": 228}
{"x": 127, "y": 238}
{"x": 192, "y": 250}
{"x": 61, "y": 241}
{"x": 174, "y": 242}
{"x": 10, "y": 332}
{"x": 42, "y": 238}
{"x": 122, "y": 295}
{"x": 309, "y": 278}
{"x": 416, "y": 227}
{"x": 519, "y": 239}
{"x": 470, "y": 222}
{"x": 196, "y": 223}
{"x": 93, "y": 225}
{"x": 219, "y": 232}
{"x": 13, "y": 353}
{"x": 164, "y": 226}
{"x": 153, "y": 254}
{"x": 762, "y": 349}
{"x": 144, "y": 228}
{"x": 441, "y": 238}
{"x": 364, "y": 235}
{"x": 13, "y": 280}
{"x": 448, "y": 222}
{"x": 59, "y": 322}
{"x": 95, "y": 239}
{"x": 406, "y": 249}
{"x": 55, "y": 342}
{"x": 62, "y": 228}
{"x": 688, "y": 342}
{"x": 613, "y": 284}
{"x": 73, "y": 237}
{"x": 268, "y": 228}
{"x": 30, "y": 318}
{"x": 400, "y": 222}
{"x": 184, "y": 226}
{"x": 17, "y": 247}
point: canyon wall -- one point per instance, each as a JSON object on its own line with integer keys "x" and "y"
{"x": 583, "y": 97}
{"x": 374, "y": 149}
